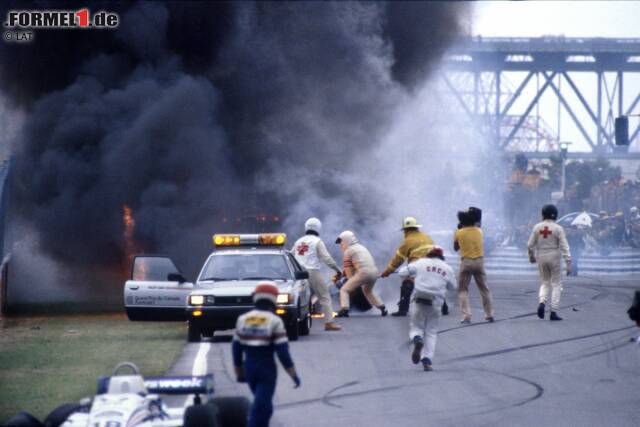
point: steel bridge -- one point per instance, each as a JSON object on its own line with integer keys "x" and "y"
{"x": 476, "y": 75}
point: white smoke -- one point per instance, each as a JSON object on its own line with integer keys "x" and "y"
{"x": 428, "y": 162}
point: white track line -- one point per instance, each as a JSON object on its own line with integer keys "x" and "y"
{"x": 199, "y": 368}
{"x": 200, "y": 361}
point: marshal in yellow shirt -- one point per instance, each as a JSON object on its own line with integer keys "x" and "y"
{"x": 470, "y": 241}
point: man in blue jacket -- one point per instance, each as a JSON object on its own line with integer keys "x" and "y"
{"x": 259, "y": 334}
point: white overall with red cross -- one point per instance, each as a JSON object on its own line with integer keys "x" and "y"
{"x": 549, "y": 244}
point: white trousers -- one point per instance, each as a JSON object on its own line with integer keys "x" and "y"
{"x": 423, "y": 322}
{"x": 319, "y": 287}
{"x": 550, "y": 268}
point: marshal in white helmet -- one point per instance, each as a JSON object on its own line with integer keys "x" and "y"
{"x": 311, "y": 252}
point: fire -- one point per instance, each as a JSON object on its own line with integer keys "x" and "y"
{"x": 130, "y": 246}
{"x": 321, "y": 315}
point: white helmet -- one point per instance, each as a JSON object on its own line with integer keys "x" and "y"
{"x": 410, "y": 222}
{"x": 313, "y": 224}
{"x": 347, "y": 237}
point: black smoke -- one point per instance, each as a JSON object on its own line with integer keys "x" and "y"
{"x": 194, "y": 111}
{"x": 420, "y": 33}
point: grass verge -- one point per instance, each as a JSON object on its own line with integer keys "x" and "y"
{"x": 47, "y": 361}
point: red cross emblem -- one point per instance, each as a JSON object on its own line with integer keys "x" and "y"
{"x": 302, "y": 249}
{"x": 545, "y": 232}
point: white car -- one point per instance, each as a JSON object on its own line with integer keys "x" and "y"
{"x": 223, "y": 290}
{"x": 131, "y": 400}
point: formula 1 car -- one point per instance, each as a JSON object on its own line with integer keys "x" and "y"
{"x": 131, "y": 400}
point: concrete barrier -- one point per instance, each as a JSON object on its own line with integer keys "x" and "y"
{"x": 513, "y": 261}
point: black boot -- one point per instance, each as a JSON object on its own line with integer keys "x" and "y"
{"x": 541, "y": 310}
{"x": 405, "y": 298}
{"x": 344, "y": 312}
{"x": 417, "y": 349}
{"x": 383, "y": 310}
{"x": 554, "y": 316}
{"x": 445, "y": 308}
{"x": 426, "y": 364}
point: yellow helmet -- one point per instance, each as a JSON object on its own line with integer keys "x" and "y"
{"x": 410, "y": 222}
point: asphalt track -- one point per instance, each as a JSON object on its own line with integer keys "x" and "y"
{"x": 518, "y": 371}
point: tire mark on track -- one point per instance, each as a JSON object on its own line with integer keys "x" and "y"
{"x": 582, "y": 354}
{"x": 600, "y": 294}
{"x": 538, "y": 387}
{"x": 329, "y": 396}
{"x": 541, "y": 344}
{"x": 597, "y": 352}
{"x": 539, "y": 391}
{"x": 324, "y": 398}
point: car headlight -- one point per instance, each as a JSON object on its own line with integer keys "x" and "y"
{"x": 284, "y": 298}
{"x": 196, "y": 299}
{"x": 202, "y": 300}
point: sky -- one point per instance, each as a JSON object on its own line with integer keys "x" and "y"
{"x": 569, "y": 18}
{"x": 561, "y": 18}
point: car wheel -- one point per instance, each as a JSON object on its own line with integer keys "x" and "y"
{"x": 59, "y": 415}
{"x": 132, "y": 315}
{"x": 232, "y": 411}
{"x": 292, "y": 329}
{"x": 194, "y": 334}
{"x": 201, "y": 416}
{"x": 23, "y": 419}
{"x": 304, "y": 325}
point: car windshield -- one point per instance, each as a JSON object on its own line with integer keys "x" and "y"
{"x": 246, "y": 267}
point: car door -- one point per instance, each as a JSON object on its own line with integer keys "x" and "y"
{"x": 156, "y": 291}
{"x": 302, "y": 285}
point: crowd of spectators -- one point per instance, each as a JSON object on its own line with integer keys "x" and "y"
{"x": 607, "y": 232}
{"x": 593, "y": 187}
{"x": 617, "y": 195}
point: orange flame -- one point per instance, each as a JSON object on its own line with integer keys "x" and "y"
{"x": 321, "y": 315}
{"x": 130, "y": 246}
